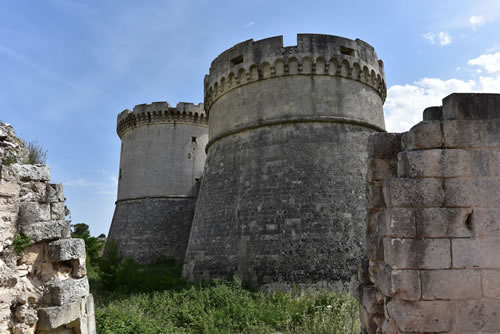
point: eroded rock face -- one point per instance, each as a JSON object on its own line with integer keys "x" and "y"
{"x": 43, "y": 288}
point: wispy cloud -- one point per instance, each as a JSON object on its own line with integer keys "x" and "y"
{"x": 476, "y": 21}
{"x": 443, "y": 38}
{"x": 106, "y": 187}
{"x": 42, "y": 70}
{"x": 249, "y": 24}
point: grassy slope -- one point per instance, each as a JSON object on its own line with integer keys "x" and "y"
{"x": 153, "y": 299}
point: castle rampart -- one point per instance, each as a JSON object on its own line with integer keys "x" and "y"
{"x": 282, "y": 197}
{"x": 162, "y": 158}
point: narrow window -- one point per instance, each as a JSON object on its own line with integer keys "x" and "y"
{"x": 193, "y": 139}
{"x": 237, "y": 60}
{"x": 346, "y": 51}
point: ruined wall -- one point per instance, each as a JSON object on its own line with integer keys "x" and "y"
{"x": 282, "y": 196}
{"x": 161, "y": 161}
{"x": 433, "y": 236}
{"x": 43, "y": 289}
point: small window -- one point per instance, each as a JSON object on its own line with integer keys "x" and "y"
{"x": 237, "y": 60}
{"x": 193, "y": 139}
{"x": 197, "y": 179}
{"x": 346, "y": 51}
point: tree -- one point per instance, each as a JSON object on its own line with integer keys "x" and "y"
{"x": 93, "y": 245}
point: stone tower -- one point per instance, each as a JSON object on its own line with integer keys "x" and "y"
{"x": 282, "y": 197}
{"x": 161, "y": 162}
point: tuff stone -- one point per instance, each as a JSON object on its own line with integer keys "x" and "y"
{"x": 422, "y": 316}
{"x": 66, "y": 249}
{"x": 55, "y": 316}
{"x": 445, "y": 222}
{"x": 479, "y": 315}
{"x": 49, "y": 230}
{"x": 66, "y": 291}
{"x": 451, "y": 284}
{"x": 400, "y": 192}
{"x": 32, "y": 212}
{"x": 417, "y": 254}
{"x": 476, "y": 253}
{"x": 424, "y": 135}
{"x": 471, "y": 106}
{"x": 32, "y": 172}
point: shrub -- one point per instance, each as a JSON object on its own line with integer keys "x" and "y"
{"x": 21, "y": 241}
{"x": 37, "y": 155}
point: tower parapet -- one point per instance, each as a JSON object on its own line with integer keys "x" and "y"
{"x": 161, "y": 162}
{"x": 161, "y": 112}
{"x": 283, "y": 191}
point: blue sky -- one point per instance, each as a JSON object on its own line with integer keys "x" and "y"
{"x": 68, "y": 67}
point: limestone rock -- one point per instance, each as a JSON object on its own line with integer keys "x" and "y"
{"x": 48, "y": 230}
{"x": 67, "y": 291}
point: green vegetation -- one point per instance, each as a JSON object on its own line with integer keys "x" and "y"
{"x": 93, "y": 245}
{"x": 9, "y": 160}
{"x": 132, "y": 298}
{"x": 37, "y": 155}
{"x": 21, "y": 241}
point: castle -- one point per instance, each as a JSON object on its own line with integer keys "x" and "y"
{"x": 301, "y": 185}
{"x": 282, "y": 195}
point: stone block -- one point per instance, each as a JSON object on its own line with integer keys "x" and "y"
{"x": 401, "y": 284}
{"x": 433, "y": 114}
{"x": 57, "y": 211}
{"x": 417, "y": 254}
{"x": 372, "y": 301}
{"x": 460, "y": 192}
{"x": 480, "y": 163}
{"x": 32, "y": 172}
{"x": 435, "y": 163}
{"x": 422, "y": 316}
{"x": 375, "y": 197}
{"x": 476, "y": 253}
{"x": 479, "y": 315}
{"x": 471, "y": 106}
{"x": 495, "y": 162}
{"x": 380, "y": 168}
{"x": 47, "y": 230}
{"x": 451, "y": 284}
{"x": 55, "y": 193}
{"x": 486, "y": 222}
{"x": 402, "y": 192}
{"x": 444, "y": 222}
{"x": 424, "y": 135}
{"x": 488, "y": 192}
{"x": 462, "y": 134}
{"x": 32, "y": 212}
{"x": 55, "y": 316}
{"x": 66, "y": 249}
{"x": 374, "y": 248}
{"x": 400, "y": 222}
{"x": 491, "y": 133}
{"x": 67, "y": 291}
{"x": 384, "y": 145}
{"x": 491, "y": 283}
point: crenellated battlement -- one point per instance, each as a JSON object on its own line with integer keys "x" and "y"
{"x": 161, "y": 112}
{"x": 314, "y": 54}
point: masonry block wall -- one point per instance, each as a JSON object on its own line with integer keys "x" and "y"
{"x": 43, "y": 288}
{"x": 433, "y": 231}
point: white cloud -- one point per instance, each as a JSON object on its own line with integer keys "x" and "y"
{"x": 405, "y": 103}
{"x": 476, "y": 21}
{"x": 249, "y": 24}
{"x": 490, "y": 62}
{"x": 442, "y": 37}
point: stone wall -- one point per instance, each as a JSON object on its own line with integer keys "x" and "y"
{"x": 44, "y": 288}
{"x": 433, "y": 235}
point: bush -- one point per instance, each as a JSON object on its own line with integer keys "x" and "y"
{"x": 21, "y": 241}
{"x": 37, "y": 155}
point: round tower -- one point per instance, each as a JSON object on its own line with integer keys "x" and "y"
{"x": 282, "y": 198}
{"x": 161, "y": 162}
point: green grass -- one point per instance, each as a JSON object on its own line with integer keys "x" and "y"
{"x": 154, "y": 299}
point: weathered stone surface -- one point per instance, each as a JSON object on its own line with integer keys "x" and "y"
{"x": 403, "y": 284}
{"x": 422, "y": 316}
{"x": 49, "y": 230}
{"x": 399, "y": 192}
{"x": 433, "y": 114}
{"x": 417, "y": 254}
{"x": 486, "y": 222}
{"x": 462, "y": 134}
{"x": 55, "y": 193}
{"x": 67, "y": 291}
{"x": 471, "y": 106}
{"x": 460, "y": 192}
{"x": 424, "y": 135}
{"x": 66, "y": 249}
{"x": 33, "y": 212}
{"x": 384, "y": 145}
{"x": 57, "y": 211}
{"x": 479, "y": 315}
{"x": 476, "y": 253}
{"x": 435, "y": 163}
{"x": 400, "y": 222}
{"x": 32, "y": 172}
{"x": 55, "y": 316}
{"x": 445, "y": 222}
{"x": 451, "y": 284}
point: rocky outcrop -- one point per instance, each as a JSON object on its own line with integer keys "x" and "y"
{"x": 43, "y": 283}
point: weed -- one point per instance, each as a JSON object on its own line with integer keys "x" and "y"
{"x": 21, "y": 241}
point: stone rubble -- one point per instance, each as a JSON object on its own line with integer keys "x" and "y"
{"x": 43, "y": 289}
